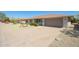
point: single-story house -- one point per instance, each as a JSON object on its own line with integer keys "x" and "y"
{"x": 52, "y": 20}
{"x": 24, "y": 20}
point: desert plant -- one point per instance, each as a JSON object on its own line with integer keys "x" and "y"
{"x": 2, "y": 16}
{"x": 14, "y": 21}
{"x": 33, "y": 24}
{"x": 74, "y": 19}
{"x": 7, "y": 19}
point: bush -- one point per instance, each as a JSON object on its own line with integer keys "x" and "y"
{"x": 14, "y": 21}
{"x": 2, "y": 16}
{"x": 34, "y": 24}
{"x": 6, "y": 20}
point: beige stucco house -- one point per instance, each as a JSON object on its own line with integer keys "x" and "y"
{"x": 53, "y": 20}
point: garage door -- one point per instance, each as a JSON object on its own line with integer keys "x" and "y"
{"x": 54, "y": 22}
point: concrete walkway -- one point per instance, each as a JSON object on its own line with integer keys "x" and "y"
{"x": 13, "y": 36}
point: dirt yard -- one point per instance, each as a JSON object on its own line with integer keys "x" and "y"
{"x": 15, "y": 36}
{"x": 68, "y": 38}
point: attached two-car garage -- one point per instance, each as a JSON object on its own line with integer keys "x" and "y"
{"x": 53, "y": 20}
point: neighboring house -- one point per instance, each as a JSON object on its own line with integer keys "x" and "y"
{"x": 24, "y": 20}
{"x": 52, "y": 20}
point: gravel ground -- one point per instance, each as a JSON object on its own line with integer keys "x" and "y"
{"x": 67, "y": 38}
{"x": 15, "y": 36}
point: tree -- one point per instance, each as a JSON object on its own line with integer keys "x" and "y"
{"x": 2, "y": 16}
{"x": 6, "y": 19}
{"x": 74, "y": 19}
{"x": 77, "y": 18}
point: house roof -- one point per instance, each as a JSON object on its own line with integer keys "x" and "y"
{"x": 43, "y": 17}
{"x": 49, "y": 16}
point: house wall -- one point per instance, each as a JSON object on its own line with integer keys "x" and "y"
{"x": 54, "y": 22}
{"x": 65, "y": 22}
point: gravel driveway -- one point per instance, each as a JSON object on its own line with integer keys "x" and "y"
{"x": 14, "y": 36}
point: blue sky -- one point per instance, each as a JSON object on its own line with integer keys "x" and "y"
{"x": 28, "y": 14}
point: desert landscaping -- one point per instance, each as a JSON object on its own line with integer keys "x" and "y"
{"x": 53, "y": 30}
{"x": 67, "y": 38}
{"x": 15, "y": 36}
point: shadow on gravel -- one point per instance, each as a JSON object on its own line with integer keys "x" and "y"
{"x": 72, "y": 33}
{"x": 64, "y": 41}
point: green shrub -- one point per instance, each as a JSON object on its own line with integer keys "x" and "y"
{"x": 6, "y": 19}
{"x": 33, "y": 24}
{"x": 2, "y": 16}
{"x": 14, "y": 21}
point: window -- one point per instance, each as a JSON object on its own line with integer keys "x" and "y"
{"x": 38, "y": 21}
